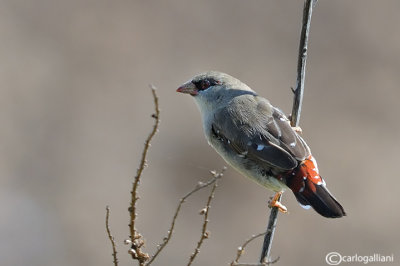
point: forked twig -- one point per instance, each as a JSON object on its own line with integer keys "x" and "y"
{"x": 199, "y": 186}
{"x": 240, "y": 252}
{"x": 240, "y": 249}
{"x": 136, "y": 239}
{"x": 114, "y": 248}
{"x": 295, "y": 117}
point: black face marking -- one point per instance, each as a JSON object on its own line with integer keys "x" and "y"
{"x": 204, "y": 84}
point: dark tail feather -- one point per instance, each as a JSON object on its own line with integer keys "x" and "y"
{"x": 320, "y": 199}
{"x": 309, "y": 189}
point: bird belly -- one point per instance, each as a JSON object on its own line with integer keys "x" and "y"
{"x": 247, "y": 167}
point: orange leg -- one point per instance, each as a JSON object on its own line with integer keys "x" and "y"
{"x": 276, "y": 203}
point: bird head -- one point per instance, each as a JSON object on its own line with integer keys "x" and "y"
{"x": 212, "y": 89}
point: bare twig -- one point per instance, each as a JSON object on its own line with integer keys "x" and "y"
{"x": 240, "y": 250}
{"x": 114, "y": 254}
{"x": 199, "y": 186}
{"x": 136, "y": 239}
{"x": 269, "y": 236}
{"x": 296, "y": 110}
{"x": 301, "y": 63}
{"x": 257, "y": 264}
{"x": 205, "y": 211}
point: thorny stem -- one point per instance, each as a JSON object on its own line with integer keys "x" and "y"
{"x": 137, "y": 242}
{"x": 114, "y": 254}
{"x": 295, "y": 117}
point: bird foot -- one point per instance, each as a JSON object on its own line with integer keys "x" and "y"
{"x": 297, "y": 129}
{"x": 276, "y": 203}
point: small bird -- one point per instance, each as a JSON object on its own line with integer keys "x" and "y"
{"x": 257, "y": 140}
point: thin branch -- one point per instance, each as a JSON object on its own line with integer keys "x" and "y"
{"x": 114, "y": 254}
{"x": 205, "y": 211}
{"x": 257, "y": 264}
{"x": 269, "y": 236}
{"x": 240, "y": 250}
{"x": 199, "y": 186}
{"x": 301, "y": 63}
{"x": 296, "y": 110}
{"x": 136, "y": 238}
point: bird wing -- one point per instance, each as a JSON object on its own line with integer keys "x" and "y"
{"x": 252, "y": 127}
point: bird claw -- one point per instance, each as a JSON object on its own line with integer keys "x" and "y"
{"x": 276, "y": 203}
{"x": 297, "y": 129}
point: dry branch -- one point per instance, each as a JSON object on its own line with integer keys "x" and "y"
{"x": 295, "y": 117}
{"x": 301, "y": 63}
{"x": 204, "y": 233}
{"x": 114, "y": 253}
{"x": 240, "y": 250}
{"x": 137, "y": 241}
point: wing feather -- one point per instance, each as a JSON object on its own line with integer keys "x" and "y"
{"x": 254, "y": 128}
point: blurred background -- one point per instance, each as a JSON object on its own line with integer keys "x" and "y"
{"x": 75, "y": 111}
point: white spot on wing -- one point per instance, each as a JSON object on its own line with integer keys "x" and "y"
{"x": 242, "y": 154}
{"x": 260, "y": 147}
{"x": 301, "y": 189}
{"x": 292, "y": 144}
{"x": 305, "y": 206}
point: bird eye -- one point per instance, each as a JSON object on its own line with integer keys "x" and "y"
{"x": 205, "y": 84}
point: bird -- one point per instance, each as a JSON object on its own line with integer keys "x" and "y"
{"x": 257, "y": 140}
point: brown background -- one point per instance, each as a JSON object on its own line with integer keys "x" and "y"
{"x": 75, "y": 110}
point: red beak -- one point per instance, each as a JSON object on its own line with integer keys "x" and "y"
{"x": 188, "y": 88}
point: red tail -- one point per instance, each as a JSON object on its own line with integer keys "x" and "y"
{"x": 309, "y": 189}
